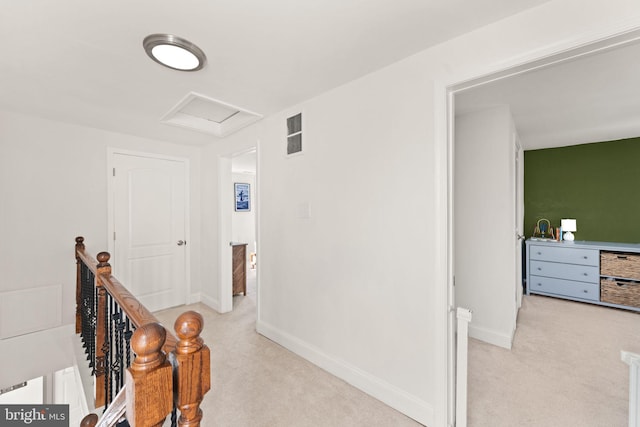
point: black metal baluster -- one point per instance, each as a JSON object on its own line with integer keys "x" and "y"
{"x": 107, "y": 352}
{"x": 127, "y": 336}
{"x": 174, "y": 416}
{"x": 118, "y": 326}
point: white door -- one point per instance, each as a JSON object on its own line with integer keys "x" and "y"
{"x": 149, "y": 211}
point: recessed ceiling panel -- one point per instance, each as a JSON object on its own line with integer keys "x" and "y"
{"x": 204, "y": 114}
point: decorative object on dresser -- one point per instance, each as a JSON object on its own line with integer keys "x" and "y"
{"x": 603, "y": 273}
{"x": 543, "y": 229}
{"x": 568, "y": 226}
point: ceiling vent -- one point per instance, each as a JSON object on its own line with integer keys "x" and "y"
{"x": 204, "y": 114}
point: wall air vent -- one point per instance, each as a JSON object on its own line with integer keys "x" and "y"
{"x": 294, "y": 134}
{"x": 203, "y": 114}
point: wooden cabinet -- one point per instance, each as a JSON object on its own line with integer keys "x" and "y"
{"x": 239, "y": 268}
{"x": 596, "y": 272}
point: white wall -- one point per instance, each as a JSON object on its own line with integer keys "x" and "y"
{"x": 360, "y": 287}
{"x": 53, "y": 187}
{"x": 485, "y": 226}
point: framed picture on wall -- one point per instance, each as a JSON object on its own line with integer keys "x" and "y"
{"x": 243, "y": 196}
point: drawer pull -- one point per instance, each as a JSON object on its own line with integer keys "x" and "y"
{"x": 622, "y": 257}
{"x": 586, "y": 274}
{"x": 539, "y": 268}
{"x": 585, "y": 257}
{"x": 585, "y": 291}
{"x": 539, "y": 253}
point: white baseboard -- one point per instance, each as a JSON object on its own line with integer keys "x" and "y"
{"x": 491, "y": 336}
{"x": 389, "y": 394}
{"x": 210, "y": 302}
{"x": 194, "y": 298}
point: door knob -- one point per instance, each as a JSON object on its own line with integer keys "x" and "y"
{"x": 181, "y": 242}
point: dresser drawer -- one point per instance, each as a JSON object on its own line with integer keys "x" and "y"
{"x": 564, "y": 254}
{"x": 582, "y": 273}
{"x": 566, "y": 288}
{"x": 618, "y": 264}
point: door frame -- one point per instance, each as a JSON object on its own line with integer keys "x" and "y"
{"x": 225, "y": 212}
{"x": 585, "y": 43}
{"x": 111, "y": 152}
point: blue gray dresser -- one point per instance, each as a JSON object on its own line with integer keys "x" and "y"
{"x": 601, "y": 273}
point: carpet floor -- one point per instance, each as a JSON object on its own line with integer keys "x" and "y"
{"x": 564, "y": 368}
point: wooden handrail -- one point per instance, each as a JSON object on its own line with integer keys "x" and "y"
{"x": 150, "y": 378}
{"x": 135, "y": 310}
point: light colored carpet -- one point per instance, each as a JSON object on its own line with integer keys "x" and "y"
{"x": 256, "y": 382}
{"x": 564, "y": 368}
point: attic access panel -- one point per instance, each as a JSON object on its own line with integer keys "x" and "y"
{"x": 204, "y": 114}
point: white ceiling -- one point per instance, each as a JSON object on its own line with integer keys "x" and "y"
{"x": 82, "y": 61}
{"x": 593, "y": 98}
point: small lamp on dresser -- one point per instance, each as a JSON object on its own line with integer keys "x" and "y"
{"x": 568, "y": 227}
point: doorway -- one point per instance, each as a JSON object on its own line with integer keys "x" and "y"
{"x": 237, "y": 223}
{"x": 572, "y": 51}
{"x": 508, "y": 107}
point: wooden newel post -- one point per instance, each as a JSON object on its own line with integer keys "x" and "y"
{"x": 103, "y": 269}
{"x": 149, "y": 380}
{"x": 193, "y": 368}
{"x": 79, "y": 246}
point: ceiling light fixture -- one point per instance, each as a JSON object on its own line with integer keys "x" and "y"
{"x": 174, "y": 52}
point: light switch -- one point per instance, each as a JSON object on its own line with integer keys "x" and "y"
{"x": 304, "y": 210}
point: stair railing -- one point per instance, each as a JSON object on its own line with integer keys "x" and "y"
{"x": 167, "y": 374}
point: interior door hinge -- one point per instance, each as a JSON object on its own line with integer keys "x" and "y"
{"x": 114, "y": 171}
{"x": 114, "y": 235}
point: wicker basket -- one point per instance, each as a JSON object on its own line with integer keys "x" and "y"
{"x": 621, "y": 292}
{"x": 618, "y": 264}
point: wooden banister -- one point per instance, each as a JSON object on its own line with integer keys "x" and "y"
{"x": 149, "y": 379}
{"x": 193, "y": 370}
{"x": 136, "y": 312}
{"x": 105, "y": 312}
{"x": 79, "y": 247}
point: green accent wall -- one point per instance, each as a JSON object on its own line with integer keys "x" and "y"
{"x": 597, "y": 184}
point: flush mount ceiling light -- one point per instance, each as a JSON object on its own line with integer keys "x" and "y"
{"x": 174, "y": 52}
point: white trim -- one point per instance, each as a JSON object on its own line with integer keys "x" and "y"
{"x": 491, "y": 336}
{"x": 443, "y": 273}
{"x": 194, "y": 298}
{"x": 225, "y": 210}
{"x": 633, "y": 360}
{"x": 389, "y": 394}
{"x": 463, "y": 317}
{"x": 257, "y": 204}
{"x": 210, "y": 302}
{"x": 111, "y": 152}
